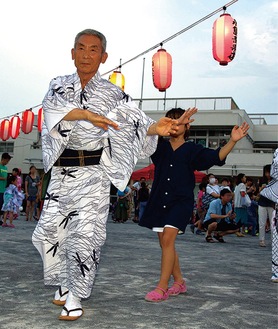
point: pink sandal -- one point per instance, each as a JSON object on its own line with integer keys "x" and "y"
{"x": 177, "y": 288}
{"x": 154, "y": 296}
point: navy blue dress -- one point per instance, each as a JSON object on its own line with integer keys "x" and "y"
{"x": 172, "y": 196}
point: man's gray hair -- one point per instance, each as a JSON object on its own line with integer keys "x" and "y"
{"x": 92, "y": 32}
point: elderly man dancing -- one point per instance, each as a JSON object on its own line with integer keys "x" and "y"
{"x": 93, "y": 135}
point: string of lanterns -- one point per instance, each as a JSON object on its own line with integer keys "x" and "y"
{"x": 224, "y": 39}
{"x": 11, "y": 128}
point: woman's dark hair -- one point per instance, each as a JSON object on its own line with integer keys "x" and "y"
{"x": 265, "y": 179}
{"x": 31, "y": 168}
{"x": 16, "y": 170}
{"x": 176, "y": 113}
{"x": 239, "y": 178}
{"x": 202, "y": 185}
{"x": 266, "y": 169}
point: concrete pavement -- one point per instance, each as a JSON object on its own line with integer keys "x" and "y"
{"x": 228, "y": 284}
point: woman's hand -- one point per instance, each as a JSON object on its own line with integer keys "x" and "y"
{"x": 236, "y": 134}
{"x": 186, "y": 117}
{"x": 239, "y": 132}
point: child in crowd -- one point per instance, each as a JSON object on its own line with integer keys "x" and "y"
{"x": 17, "y": 172}
{"x": 32, "y": 183}
{"x": 240, "y": 207}
{"x": 250, "y": 186}
{"x": 171, "y": 201}
{"x": 225, "y": 184}
{"x": 200, "y": 211}
{"x": 252, "y": 212}
{"x": 12, "y": 201}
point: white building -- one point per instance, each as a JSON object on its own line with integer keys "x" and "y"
{"x": 212, "y": 127}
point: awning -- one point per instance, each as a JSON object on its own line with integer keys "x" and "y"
{"x": 148, "y": 173}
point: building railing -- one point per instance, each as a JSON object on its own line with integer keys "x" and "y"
{"x": 264, "y": 118}
{"x": 203, "y": 103}
{"x": 253, "y": 150}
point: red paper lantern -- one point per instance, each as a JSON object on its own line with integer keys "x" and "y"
{"x": 40, "y": 119}
{"x": 14, "y": 126}
{"x": 118, "y": 79}
{"x": 27, "y": 121}
{"x": 224, "y": 39}
{"x": 5, "y": 129}
{"x": 162, "y": 69}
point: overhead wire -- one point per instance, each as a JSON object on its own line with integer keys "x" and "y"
{"x": 158, "y": 44}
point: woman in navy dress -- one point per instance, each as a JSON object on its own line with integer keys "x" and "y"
{"x": 170, "y": 206}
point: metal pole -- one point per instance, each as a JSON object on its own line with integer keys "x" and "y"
{"x": 142, "y": 84}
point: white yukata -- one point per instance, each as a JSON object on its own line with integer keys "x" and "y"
{"x": 72, "y": 226}
{"x": 271, "y": 193}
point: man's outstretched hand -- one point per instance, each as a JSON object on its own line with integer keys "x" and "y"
{"x": 101, "y": 121}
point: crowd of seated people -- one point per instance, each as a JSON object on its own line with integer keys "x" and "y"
{"x": 232, "y": 207}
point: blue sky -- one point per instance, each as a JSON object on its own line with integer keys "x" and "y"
{"x": 36, "y": 41}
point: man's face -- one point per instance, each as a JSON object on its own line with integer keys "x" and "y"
{"x": 5, "y": 161}
{"x": 88, "y": 55}
{"x": 226, "y": 198}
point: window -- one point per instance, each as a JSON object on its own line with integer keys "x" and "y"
{"x": 198, "y": 132}
{"x": 213, "y": 143}
{"x": 223, "y": 142}
{"x": 210, "y": 138}
{"x": 6, "y": 147}
{"x": 220, "y": 133}
{"x": 201, "y": 141}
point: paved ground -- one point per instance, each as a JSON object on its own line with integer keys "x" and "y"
{"x": 228, "y": 284}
